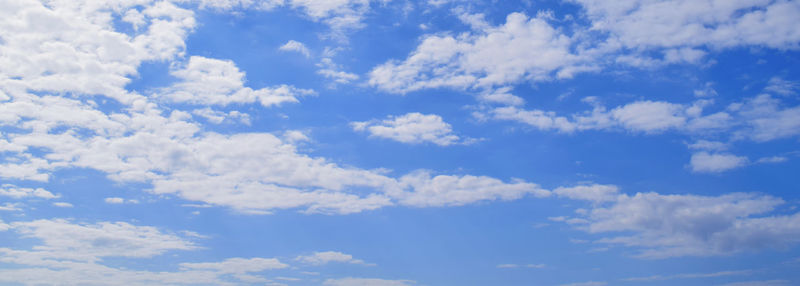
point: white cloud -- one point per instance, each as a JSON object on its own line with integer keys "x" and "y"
{"x": 237, "y": 265}
{"x": 295, "y": 46}
{"x": 708, "y": 145}
{"x": 705, "y": 162}
{"x": 325, "y": 257}
{"x": 685, "y": 23}
{"x": 773, "y": 159}
{"x": 116, "y": 201}
{"x": 781, "y": 86}
{"x": 413, "y": 128}
{"x": 10, "y": 207}
{"x": 688, "y": 276}
{"x": 759, "y": 283}
{"x": 72, "y": 254}
{"x": 217, "y": 117}
{"x": 446, "y": 190}
{"x": 350, "y": 281}
{"x": 46, "y": 47}
{"x": 18, "y": 193}
{"x": 331, "y": 70}
{"x": 649, "y": 116}
{"x": 662, "y": 226}
{"x": 523, "y": 48}
{"x": 596, "y": 193}
{"x": 206, "y": 81}
{"x": 63, "y": 204}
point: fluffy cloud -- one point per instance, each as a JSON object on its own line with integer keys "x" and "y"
{"x": 72, "y": 254}
{"x": 522, "y": 48}
{"x": 708, "y": 162}
{"x": 295, "y": 46}
{"x": 325, "y": 257}
{"x": 662, "y": 226}
{"x": 446, "y": 190}
{"x": 8, "y": 190}
{"x": 206, "y": 81}
{"x": 414, "y": 128}
{"x": 70, "y": 46}
{"x": 686, "y": 23}
{"x": 237, "y": 265}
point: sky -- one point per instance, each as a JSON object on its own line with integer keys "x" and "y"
{"x": 396, "y": 142}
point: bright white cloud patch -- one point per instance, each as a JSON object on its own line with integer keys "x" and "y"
{"x": 522, "y": 48}
{"x": 325, "y": 257}
{"x": 70, "y": 46}
{"x": 414, "y": 128}
{"x": 662, "y": 226}
{"x": 12, "y": 191}
{"x": 206, "y": 81}
{"x": 681, "y": 23}
{"x": 713, "y": 162}
{"x": 295, "y": 46}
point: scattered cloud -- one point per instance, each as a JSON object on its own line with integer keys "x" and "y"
{"x": 116, "y": 201}
{"x": 325, "y": 257}
{"x": 295, "y": 46}
{"x": 206, "y": 81}
{"x": 8, "y": 190}
{"x": 704, "y": 162}
{"x": 413, "y": 128}
{"x": 663, "y": 226}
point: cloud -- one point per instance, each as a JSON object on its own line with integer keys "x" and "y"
{"x": 9, "y": 190}
{"x": 704, "y": 162}
{"x": 678, "y": 23}
{"x": 773, "y": 159}
{"x": 71, "y": 253}
{"x": 413, "y": 128}
{"x": 760, "y": 283}
{"x": 237, "y": 265}
{"x": 663, "y": 226}
{"x": 45, "y": 47}
{"x": 523, "y": 48}
{"x": 649, "y": 116}
{"x": 116, "y": 201}
{"x": 350, "y": 281}
{"x": 206, "y": 81}
{"x": 689, "y": 276}
{"x": 295, "y": 46}
{"x": 448, "y": 190}
{"x": 63, "y": 204}
{"x": 325, "y": 257}
{"x": 595, "y": 193}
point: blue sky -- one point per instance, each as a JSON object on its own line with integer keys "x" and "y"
{"x": 390, "y": 142}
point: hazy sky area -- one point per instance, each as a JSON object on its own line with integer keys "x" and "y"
{"x": 399, "y": 143}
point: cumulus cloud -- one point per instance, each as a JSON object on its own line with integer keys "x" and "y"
{"x": 206, "y": 81}
{"x": 715, "y": 162}
{"x": 116, "y": 201}
{"x": 295, "y": 46}
{"x": 413, "y": 128}
{"x": 9, "y": 190}
{"x": 70, "y": 46}
{"x": 72, "y": 253}
{"x": 325, "y": 257}
{"x": 682, "y": 23}
{"x": 237, "y": 265}
{"x": 524, "y": 48}
{"x": 662, "y": 226}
